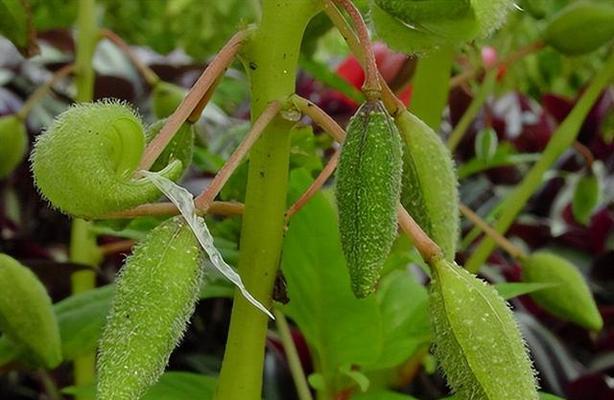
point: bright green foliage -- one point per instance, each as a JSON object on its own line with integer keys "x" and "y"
{"x": 165, "y": 98}
{"x": 368, "y": 189}
{"x": 26, "y": 315}
{"x": 585, "y": 198}
{"x": 477, "y": 340}
{"x": 430, "y": 192}
{"x": 155, "y": 295}
{"x": 180, "y": 148}
{"x": 13, "y": 143}
{"x": 84, "y": 163}
{"x": 581, "y": 27}
{"x": 570, "y": 299}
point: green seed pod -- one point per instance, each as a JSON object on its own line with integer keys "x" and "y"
{"x": 13, "y": 144}
{"x": 180, "y": 148}
{"x": 368, "y": 189}
{"x": 165, "y": 98}
{"x": 84, "y": 163}
{"x": 430, "y": 192}
{"x": 155, "y": 295}
{"x": 570, "y": 299}
{"x": 26, "y": 314}
{"x": 580, "y": 28}
{"x": 586, "y": 198}
{"x": 412, "y": 11}
{"x": 476, "y": 338}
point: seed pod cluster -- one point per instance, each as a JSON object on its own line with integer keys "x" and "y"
{"x": 26, "y": 314}
{"x": 430, "y": 191}
{"x": 570, "y": 299}
{"x": 367, "y": 192}
{"x": 476, "y": 338}
{"x": 581, "y": 27}
{"x": 84, "y": 163}
{"x": 13, "y": 143}
{"x": 154, "y": 298}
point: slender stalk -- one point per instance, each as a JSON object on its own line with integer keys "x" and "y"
{"x": 193, "y": 99}
{"x": 83, "y": 248}
{"x": 510, "y": 59}
{"x": 316, "y": 185}
{"x": 513, "y": 250}
{"x": 42, "y": 90}
{"x": 205, "y": 199}
{"x": 147, "y": 73}
{"x": 586, "y": 154}
{"x": 430, "y": 86}
{"x": 224, "y": 208}
{"x": 294, "y": 362}
{"x": 472, "y": 111}
{"x": 562, "y": 139}
{"x": 319, "y": 116}
{"x": 116, "y": 247}
{"x": 371, "y": 87}
{"x": 272, "y": 55}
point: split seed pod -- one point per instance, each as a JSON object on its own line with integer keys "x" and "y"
{"x": 570, "y": 299}
{"x": 476, "y": 338}
{"x": 155, "y": 295}
{"x": 13, "y": 144}
{"x": 26, "y": 314}
{"x": 581, "y": 27}
{"x": 85, "y": 162}
{"x": 368, "y": 190}
{"x": 430, "y": 188}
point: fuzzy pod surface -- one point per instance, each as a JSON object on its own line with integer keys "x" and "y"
{"x": 13, "y": 143}
{"x": 570, "y": 299}
{"x": 476, "y": 338}
{"x": 26, "y": 314}
{"x": 85, "y": 162}
{"x": 155, "y": 295}
{"x": 581, "y": 27}
{"x": 430, "y": 186}
{"x": 367, "y": 193}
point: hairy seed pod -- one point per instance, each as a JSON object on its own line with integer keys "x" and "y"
{"x": 570, "y": 299}
{"x": 412, "y": 11}
{"x": 180, "y": 148}
{"x": 13, "y": 144}
{"x": 368, "y": 189}
{"x": 580, "y": 28}
{"x": 84, "y": 163}
{"x": 154, "y": 298}
{"x": 476, "y": 338}
{"x": 26, "y": 314}
{"x": 165, "y": 98}
{"x": 430, "y": 188}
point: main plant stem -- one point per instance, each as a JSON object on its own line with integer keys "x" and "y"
{"x": 271, "y": 59}
{"x": 83, "y": 248}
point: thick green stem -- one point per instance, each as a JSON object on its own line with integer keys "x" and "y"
{"x": 271, "y": 58}
{"x": 83, "y": 248}
{"x": 430, "y": 86}
{"x": 562, "y": 139}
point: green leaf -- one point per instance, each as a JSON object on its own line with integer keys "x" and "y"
{"x": 509, "y": 290}
{"x": 586, "y": 198}
{"x": 16, "y": 25}
{"x": 339, "y": 328}
{"x": 357, "y": 377}
{"x": 383, "y": 395}
{"x": 405, "y": 321}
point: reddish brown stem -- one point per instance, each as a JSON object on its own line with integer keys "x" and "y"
{"x": 203, "y": 200}
{"x": 585, "y": 152}
{"x": 153, "y": 209}
{"x": 42, "y": 90}
{"x": 371, "y": 87}
{"x": 116, "y": 247}
{"x": 316, "y": 185}
{"x": 193, "y": 99}
{"x": 147, "y": 73}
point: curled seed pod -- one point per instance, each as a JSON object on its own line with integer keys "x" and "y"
{"x": 570, "y": 299}
{"x": 430, "y": 192}
{"x": 84, "y": 163}
{"x": 26, "y": 314}
{"x": 580, "y": 28}
{"x": 368, "y": 189}
{"x": 13, "y": 143}
{"x": 165, "y": 98}
{"x": 476, "y": 338}
{"x": 154, "y": 298}
{"x": 180, "y": 148}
